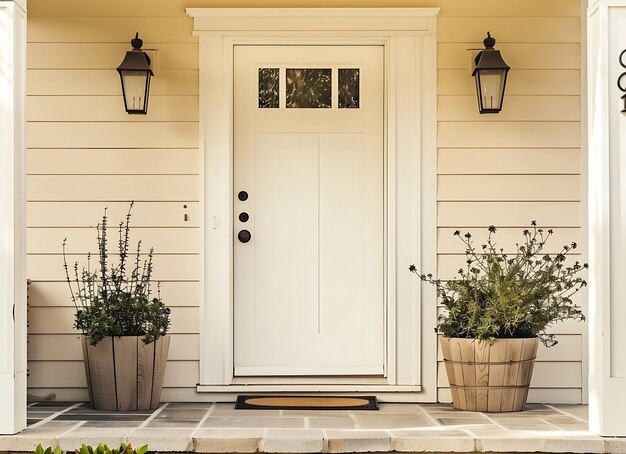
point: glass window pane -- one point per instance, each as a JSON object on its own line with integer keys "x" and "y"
{"x": 308, "y": 88}
{"x": 268, "y": 88}
{"x": 135, "y": 83}
{"x": 349, "y": 88}
{"x": 491, "y": 86}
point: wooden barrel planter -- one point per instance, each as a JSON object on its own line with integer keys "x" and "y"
{"x": 125, "y": 374}
{"x": 489, "y": 377}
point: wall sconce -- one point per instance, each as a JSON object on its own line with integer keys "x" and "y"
{"x": 135, "y": 74}
{"x": 490, "y": 74}
{"x": 619, "y": 81}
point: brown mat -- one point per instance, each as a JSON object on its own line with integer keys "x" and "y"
{"x": 306, "y": 403}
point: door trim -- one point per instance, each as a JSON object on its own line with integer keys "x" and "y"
{"x": 410, "y": 47}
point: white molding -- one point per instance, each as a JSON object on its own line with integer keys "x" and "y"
{"x": 12, "y": 218}
{"x": 409, "y": 38}
{"x": 584, "y": 250}
{"x": 348, "y": 14}
{"x": 606, "y": 37}
{"x": 256, "y": 21}
{"x": 20, "y": 3}
{"x": 216, "y": 223}
{"x": 206, "y": 394}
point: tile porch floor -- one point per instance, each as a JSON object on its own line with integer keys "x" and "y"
{"x": 217, "y": 427}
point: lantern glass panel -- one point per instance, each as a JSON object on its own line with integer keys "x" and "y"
{"x": 490, "y": 87}
{"x": 136, "y": 85}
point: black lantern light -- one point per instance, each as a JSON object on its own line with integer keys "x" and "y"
{"x": 135, "y": 73}
{"x": 490, "y": 74}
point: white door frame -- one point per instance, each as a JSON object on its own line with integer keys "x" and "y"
{"x": 409, "y": 38}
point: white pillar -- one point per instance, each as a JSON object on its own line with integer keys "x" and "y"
{"x": 12, "y": 217}
{"x": 606, "y": 39}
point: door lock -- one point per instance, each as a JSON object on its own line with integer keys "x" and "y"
{"x": 244, "y": 236}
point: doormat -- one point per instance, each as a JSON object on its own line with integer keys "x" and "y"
{"x": 306, "y": 403}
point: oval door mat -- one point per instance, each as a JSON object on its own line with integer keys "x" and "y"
{"x": 306, "y": 403}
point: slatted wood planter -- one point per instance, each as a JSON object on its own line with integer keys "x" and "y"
{"x": 489, "y": 377}
{"x": 125, "y": 374}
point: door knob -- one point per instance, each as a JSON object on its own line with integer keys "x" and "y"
{"x": 244, "y": 236}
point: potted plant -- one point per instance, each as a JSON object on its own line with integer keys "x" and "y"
{"x": 497, "y": 310}
{"x": 124, "y": 324}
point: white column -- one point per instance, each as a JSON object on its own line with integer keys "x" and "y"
{"x": 606, "y": 39}
{"x": 12, "y": 217}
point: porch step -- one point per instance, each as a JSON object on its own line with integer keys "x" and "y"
{"x": 219, "y": 428}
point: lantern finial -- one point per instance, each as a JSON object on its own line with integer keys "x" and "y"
{"x": 136, "y": 42}
{"x": 489, "y": 42}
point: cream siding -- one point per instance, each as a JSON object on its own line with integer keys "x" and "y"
{"x": 85, "y": 153}
{"x": 521, "y": 165}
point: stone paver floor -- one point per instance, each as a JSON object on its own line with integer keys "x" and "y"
{"x": 218, "y": 427}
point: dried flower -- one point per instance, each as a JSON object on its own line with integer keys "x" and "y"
{"x": 509, "y": 295}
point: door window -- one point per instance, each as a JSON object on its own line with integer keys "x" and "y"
{"x": 309, "y": 88}
{"x": 349, "y": 88}
{"x": 268, "y": 88}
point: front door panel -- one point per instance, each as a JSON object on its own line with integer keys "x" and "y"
{"x": 309, "y": 153}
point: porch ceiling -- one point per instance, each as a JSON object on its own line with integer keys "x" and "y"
{"x": 217, "y": 427}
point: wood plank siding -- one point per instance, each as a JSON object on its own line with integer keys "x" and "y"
{"x": 520, "y": 165}
{"x": 85, "y": 153}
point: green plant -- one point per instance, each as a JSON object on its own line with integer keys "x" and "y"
{"x": 100, "y": 449}
{"x": 109, "y": 301}
{"x": 517, "y": 295}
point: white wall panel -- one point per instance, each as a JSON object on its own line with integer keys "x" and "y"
{"x": 101, "y": 82}
{"x": 110, "y": 108}
{"x": 56, "y": 294}
{"x": 55, "y": 55}
{"x": 545, "y": 55}
{"x": 536, "y": 82}
{"x": 113, "y": 161}
{"x": 508, "y": 161}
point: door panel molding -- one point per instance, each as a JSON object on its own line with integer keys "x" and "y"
{"x": 409, "y": 39}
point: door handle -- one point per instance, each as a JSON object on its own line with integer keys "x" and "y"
{"x": 244, "y": 236}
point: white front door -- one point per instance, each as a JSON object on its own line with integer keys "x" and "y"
{"x": 309, "y": 210}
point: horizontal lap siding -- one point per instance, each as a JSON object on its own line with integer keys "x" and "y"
{"x": 85, "y": 153}
{"x": 520, "y": 165}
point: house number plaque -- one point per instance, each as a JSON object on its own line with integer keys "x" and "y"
{"x": 620, "y": 81}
